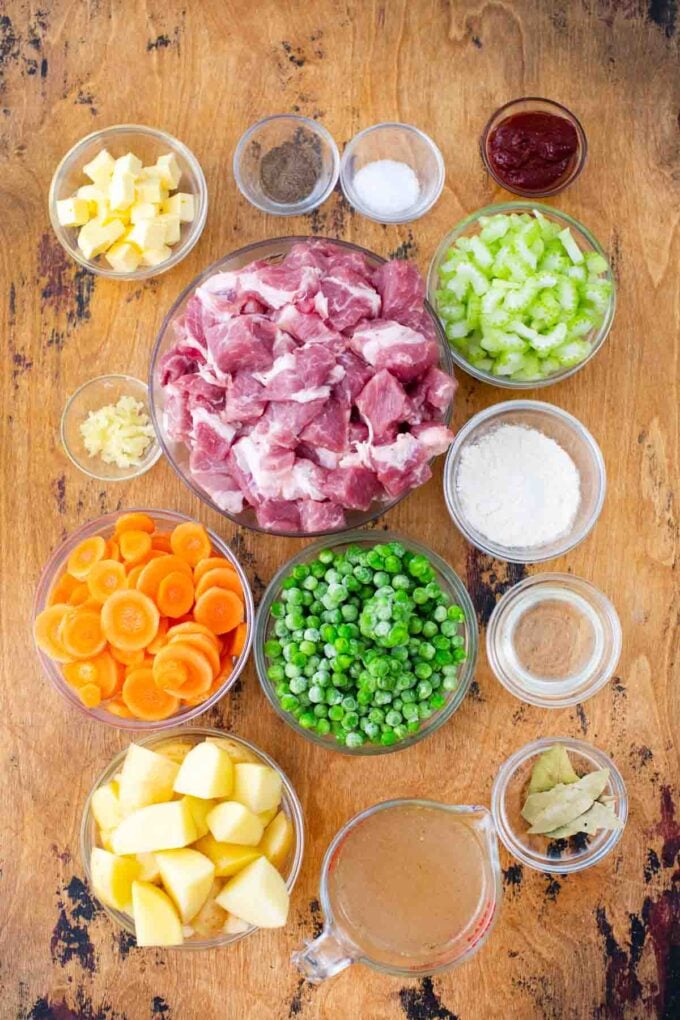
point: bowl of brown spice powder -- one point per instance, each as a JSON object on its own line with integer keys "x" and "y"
{"x": 286, "y": 165}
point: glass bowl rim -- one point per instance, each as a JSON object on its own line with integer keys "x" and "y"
{"x": 214, "y": 267}
{"x": 560, "y": 110}
{"x": 506, "y": 833}
{"x": 51, "y": 669}
{"x": 279, "y": 208}
{"x": 296, "y": 817}
{"x": 569, "y": 541}
{"x": 367, "y": 536}
{"x": 146, "y": 465}
{"x": 603, "y": 330}
{"x": 607, "y": 613}
{"x": 180, "y": 250}
{"x": 417, "y": 211}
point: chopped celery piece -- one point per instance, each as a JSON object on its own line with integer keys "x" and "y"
{"x": 570, "y": 246}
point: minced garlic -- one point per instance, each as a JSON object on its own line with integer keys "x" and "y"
{"x": 120, "y": 434}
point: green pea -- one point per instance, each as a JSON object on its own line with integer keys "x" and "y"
{"x": 336, "y": 712}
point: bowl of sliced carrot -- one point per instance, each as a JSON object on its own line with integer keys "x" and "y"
{"x": 143, "y": 619}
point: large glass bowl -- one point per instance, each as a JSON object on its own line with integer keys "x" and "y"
{"x": 177, "y": 453}
{"x": 55, "y": 567}
{"x": 448, "y": 581}
{"x": 194, "y": 735}
{"x": 471, "y": 226}
{"x": 148, "y": 144}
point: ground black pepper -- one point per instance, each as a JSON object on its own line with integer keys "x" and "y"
{"x": 289, "y": 172}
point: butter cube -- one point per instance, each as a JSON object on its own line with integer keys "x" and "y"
{"x": 143, "y": 211}
{"x": 170, "y": 170}
{"x": 172, "y": 227}
{"x": 182, "y": 205}
{"x": 91, "y": 192}
{"x": 154, "y": 256}
{"x": 149, "y": 173}
{"x": 123, "y": 257}
{"x": 74, "y": 212}
{"x": 127, "y": 164}
{"x": 147, "y": 234}
{"x": 95, "y": 237}
{"x": 100, "y": 168}
{"x": 122, "y": 190}
{"x": 151, "y": 190}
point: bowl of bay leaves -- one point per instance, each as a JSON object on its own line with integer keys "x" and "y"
{"x": 559, "y": 804}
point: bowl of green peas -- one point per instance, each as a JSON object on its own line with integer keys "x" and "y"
{"x": 365, "y": 642}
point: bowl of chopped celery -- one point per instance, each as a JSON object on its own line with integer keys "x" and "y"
{"x": 524, "y": 292}
{"x": 106, "y": 428}
{"x": 365, "y": 642}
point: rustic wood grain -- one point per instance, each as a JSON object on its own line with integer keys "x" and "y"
{"x": 601, "y": 945}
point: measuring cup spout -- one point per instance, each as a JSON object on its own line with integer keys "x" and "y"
{"x": 323, "y": 957}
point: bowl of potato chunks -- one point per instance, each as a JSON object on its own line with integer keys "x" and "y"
{"x": 193, "y": 838}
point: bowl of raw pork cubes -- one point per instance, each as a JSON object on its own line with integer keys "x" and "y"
{"x": 302, "y": 386}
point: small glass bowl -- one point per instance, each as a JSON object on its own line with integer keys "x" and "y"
{"x": 194, "y": 735}
{"x": 401, "y": 142}
{"x": 534, "y": 104}
{"x": 91, "y": 396}
{"x": 449, "y": 582}
{"x": 148, "y": 144}
{"x": 563, "y": 856}
{"x": 271, "y": 132}
{"x": 55, "y": 567}
{"x": 571, "y": 435}
{"x": 593, "y": 663}
{"x": 586, "y": 242}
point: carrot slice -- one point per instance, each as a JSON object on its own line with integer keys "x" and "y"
{"x": 146, "y": 662}
{"x": 134, "y": 545}
{"x": 175, "y": 594}
{"x": 81, "y": 633}
{"x": 63, "y": 589}
{"x": 212, "y": 563}
{"x": 106, "y": 577}
{"x": 90, "y": 695}
{"x": 204, "y": 645}
{"x": 220, "y": 578}
{"x": 129, "y": 620}
{"x": 145, "y": 700}
{"x": 85, "y": 555}
{"x": 126, "y": 658}
{"x": 191, "y": 627}
{"x": 182, "y": 669}
{"x": 112, "y": 550}
{"x": 156, "y": 569}
{"x": 134, "y": 522}
{"x": 219, "y": 609}
{"x": 79, "y": 595}
{"x": 190, "y": 541}
{"x": 46, "y": 632}
{"x": 217, "y": 684}
{"x": 77, "y": 674}
{"x": 101, "y": 670}
{"x": 160, "y": 540}
{"x": 239, "y": 640}
{"x": 161, "y": 636}
{"x": 118, "y": 707}
{"x": 134, "y": 575}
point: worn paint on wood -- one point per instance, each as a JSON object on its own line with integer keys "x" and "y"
{"x": 601, "y": 945}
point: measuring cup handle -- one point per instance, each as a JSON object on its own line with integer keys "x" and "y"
{"x": 323, "y": 957}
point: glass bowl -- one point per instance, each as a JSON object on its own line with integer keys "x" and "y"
{"x": 534, "y": 104}
{"x": 91, "y": 396}
{"x": 194, "y": 735}
{"x": 585, "y": 647}
{"x": 281, "y": 130}
{"x": 449, "y": 582}
{"x": 563, "y": 856}
{"x": 571, "y": 435}
{"x": 148, "y": 144}
{"x": 273, "y": 251}
{"x": 403, "y": 143}
{"x": 471, "y": 226}
{"x": 55, "y": 567}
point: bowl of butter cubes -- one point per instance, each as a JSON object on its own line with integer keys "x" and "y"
{"x": 128, "y": 202}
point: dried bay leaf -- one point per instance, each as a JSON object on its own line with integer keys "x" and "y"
{"x": 598, "y": 816}
{"x": 552, "y": 809}
{"x": 551, "y": 768}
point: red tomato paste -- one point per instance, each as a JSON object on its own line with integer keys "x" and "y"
{"x": 532, "y": 151}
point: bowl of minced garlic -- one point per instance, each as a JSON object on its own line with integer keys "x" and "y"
{"x": 106, "y": 428}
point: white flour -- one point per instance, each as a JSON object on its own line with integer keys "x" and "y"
{"x": 518, "y": 487}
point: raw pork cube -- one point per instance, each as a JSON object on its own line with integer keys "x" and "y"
{"x": 387, "y": 344}
{"x": 354, "y": 260}
{"x": 353, "y": 487}
{"x": 434, "y": 437}
{"x": 211, "y": 434}
{"x": 401, "y": 465}
{"x": 318, "y": 515}
{"x": 350, "y": 298}
{"x": 402, "y": 290}
{"x": 357, "y": 374}
{"x": 329, "y": 426}
{"x": 241, "y": 342}
{"x": 244, "y": 398}
{"x": 276, "y": 286}
{"x": 433, "y": 393}
{"x": 299, "y": 375}
{"x": 307, "y": 327}
{"x": 260, "y": 471}
{"x": 383, "y": 403}
{"x": 284, "y": 421}
{"x": 278, "y": 515}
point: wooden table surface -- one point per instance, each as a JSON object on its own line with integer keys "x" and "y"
{"x": 598, "y": 945}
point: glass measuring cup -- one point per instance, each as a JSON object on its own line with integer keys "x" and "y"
{"x": 408, "y": 887}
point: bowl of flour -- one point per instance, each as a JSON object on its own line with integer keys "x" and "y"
{"x": 524, "y": 481}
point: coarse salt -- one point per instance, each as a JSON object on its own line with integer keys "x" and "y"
{"x": 518, "y": 487}
{"x": 387, "y": 186}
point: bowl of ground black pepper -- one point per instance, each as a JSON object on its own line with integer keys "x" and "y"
{"x": 286, "y": 165}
